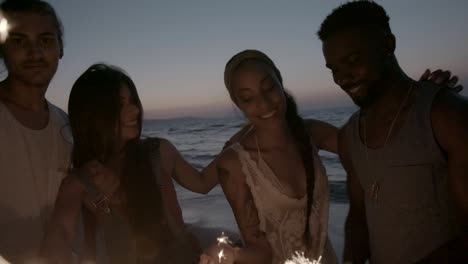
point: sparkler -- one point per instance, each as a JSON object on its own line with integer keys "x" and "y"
{"x": 3, "y": 29}
{"x": 222, "y": 240}
{"x": 299, "y": 258}
{"x": 221, "y": 255}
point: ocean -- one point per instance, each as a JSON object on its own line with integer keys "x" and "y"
{"x": 201, "y": 139}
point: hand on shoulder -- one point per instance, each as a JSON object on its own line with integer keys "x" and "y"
{"x": 442, "y": 78}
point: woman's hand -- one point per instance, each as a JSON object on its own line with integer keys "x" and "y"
{"x": 444, "y": 78}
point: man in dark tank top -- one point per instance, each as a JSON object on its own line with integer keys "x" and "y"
{"x": 405, "y": 150}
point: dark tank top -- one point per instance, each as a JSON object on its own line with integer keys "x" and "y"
{"x": 411, "y": 214}
{"x": 115, "y": 237}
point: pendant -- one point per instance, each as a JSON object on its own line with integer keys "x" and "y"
{"x": 374, "y": 191}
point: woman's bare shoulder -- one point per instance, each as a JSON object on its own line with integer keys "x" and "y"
{"x": 230, "y": 171}
{"x": 165, "y": 145}
{"x": 229, "y": 157}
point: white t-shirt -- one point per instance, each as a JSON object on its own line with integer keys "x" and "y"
{"x": 32, "y": 166}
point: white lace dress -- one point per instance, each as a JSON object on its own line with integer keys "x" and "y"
{"x": 282, "y": 217}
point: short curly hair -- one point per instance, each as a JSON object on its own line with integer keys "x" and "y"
{"x": 362, "y": 14}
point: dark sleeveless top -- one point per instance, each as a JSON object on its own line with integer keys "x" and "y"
{"x": 413, "y": 213}
{"x": 115, "y": 236}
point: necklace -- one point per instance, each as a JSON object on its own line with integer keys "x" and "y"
{"x": 374, "y": 188}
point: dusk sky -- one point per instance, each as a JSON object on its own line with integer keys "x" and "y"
{"x": 175, "y": 51}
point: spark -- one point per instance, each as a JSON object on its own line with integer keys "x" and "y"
{"x": 222, "y": 240}
{"x": 299, "y": 258}
{"x": 221, "y": 255}
{"x": 3, "y": 29}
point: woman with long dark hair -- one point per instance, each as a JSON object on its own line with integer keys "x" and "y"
{"x": 273, "y": 178}
{"x": 122, "y": 182}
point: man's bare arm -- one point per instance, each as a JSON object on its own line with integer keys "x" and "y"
{"x": 449, "y": 118}
{"x": 323, "y": 134}
{"x": 450, "y": 126}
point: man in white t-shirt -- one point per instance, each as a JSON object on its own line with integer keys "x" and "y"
{"x": 35, "y": 144}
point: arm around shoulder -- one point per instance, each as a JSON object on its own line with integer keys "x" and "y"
{"x": 325, "y": 135}
{"x": 183, "y": 172}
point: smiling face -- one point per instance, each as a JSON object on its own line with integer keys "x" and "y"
{"x": 129, "y": 115}
{"x": 258, "y": 93}
{"x": 32, "y": 49}
{"x": 357, "y": 62}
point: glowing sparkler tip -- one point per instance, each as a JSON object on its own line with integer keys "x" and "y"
{"x": 221, "y": 255}
{"x": 3, "y": 29}
{"x": 223, "y": 239}
{"x": 299, "y": 258}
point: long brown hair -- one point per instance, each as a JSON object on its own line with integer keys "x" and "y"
{"x": 94, "y": 113}
{"x": 295, "y": 123}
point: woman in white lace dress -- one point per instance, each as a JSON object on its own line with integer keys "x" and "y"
{"x": 273, "y": 177}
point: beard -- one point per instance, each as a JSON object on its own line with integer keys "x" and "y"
{"x": 32, "y": 72}
{"x": 374, "y": 88}
{"x": 371, "y": 93}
